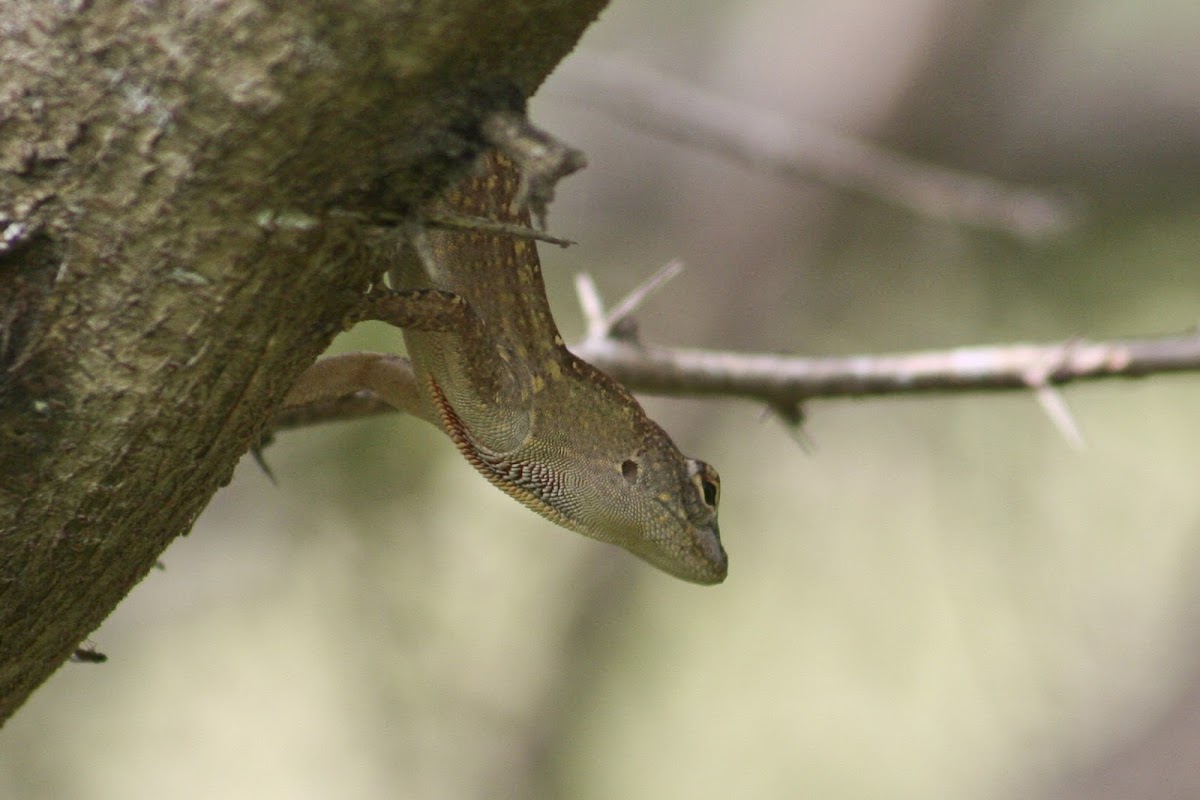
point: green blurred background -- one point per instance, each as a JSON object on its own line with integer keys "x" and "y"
{"x": 940, "y": 598}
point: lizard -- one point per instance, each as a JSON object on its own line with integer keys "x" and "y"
{"x": 486, "y": 364}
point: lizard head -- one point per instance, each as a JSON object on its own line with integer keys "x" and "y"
{"x": 662, "y": 507}
{"x": 610, "y": 473}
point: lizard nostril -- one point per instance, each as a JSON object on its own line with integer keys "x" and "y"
{"x": 629, "y": 470}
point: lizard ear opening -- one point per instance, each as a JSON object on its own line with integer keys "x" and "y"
{"x": 629, "y": 470}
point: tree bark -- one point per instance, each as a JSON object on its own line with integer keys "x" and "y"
{"x": 167, "y": 262}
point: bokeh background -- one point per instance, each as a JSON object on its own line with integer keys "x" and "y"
{"x": 938, "y": 598}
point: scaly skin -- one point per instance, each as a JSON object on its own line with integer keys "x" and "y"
{"x": 489, "y": 367}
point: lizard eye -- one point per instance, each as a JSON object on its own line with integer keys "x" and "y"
{"x": 707, "y": 483}
{"x": 629, "y": 470}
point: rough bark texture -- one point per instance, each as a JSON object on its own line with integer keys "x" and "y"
{"x": 166, "y": 265}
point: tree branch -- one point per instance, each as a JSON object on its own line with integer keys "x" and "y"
{"x": 650, "y": 101}
{"x": 786, "y": 381}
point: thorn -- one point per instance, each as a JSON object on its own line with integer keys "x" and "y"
{"x": 414, "y": 229}
{"x": 624, "y": 329}
{"x": 791, "y": 414}
{"x": 468, "y": 223}
{"x": 260, "y": 459}
{"x": 88, "y": 654}
{"x": 1051, "y": 399}
{"x": 1055, "y": 405}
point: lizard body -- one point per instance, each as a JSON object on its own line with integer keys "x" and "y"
{"x": 488, "y": 366}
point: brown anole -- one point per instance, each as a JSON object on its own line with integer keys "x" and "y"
{"x": 487, "y": 365}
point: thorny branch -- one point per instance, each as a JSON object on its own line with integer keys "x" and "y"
{"x": 785, "y": 382}
{"x": 796, "y": 152}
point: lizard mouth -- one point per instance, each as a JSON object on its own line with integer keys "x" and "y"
{"x": 714, "y": 552}
{"x": 713, "y": 563}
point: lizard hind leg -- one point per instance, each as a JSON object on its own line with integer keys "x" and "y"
{"x": 391, "y": 378}
{"x": 387, "y": 376}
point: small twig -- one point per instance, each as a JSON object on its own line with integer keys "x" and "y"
{"x": 467, "y": 223}
{"x": 461, "y": 222}
{"x": 634, "y": 300}
{"x": 601, "y": 324}
{"x": 591, "y": 305}
{"x": 652, "y": 102}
